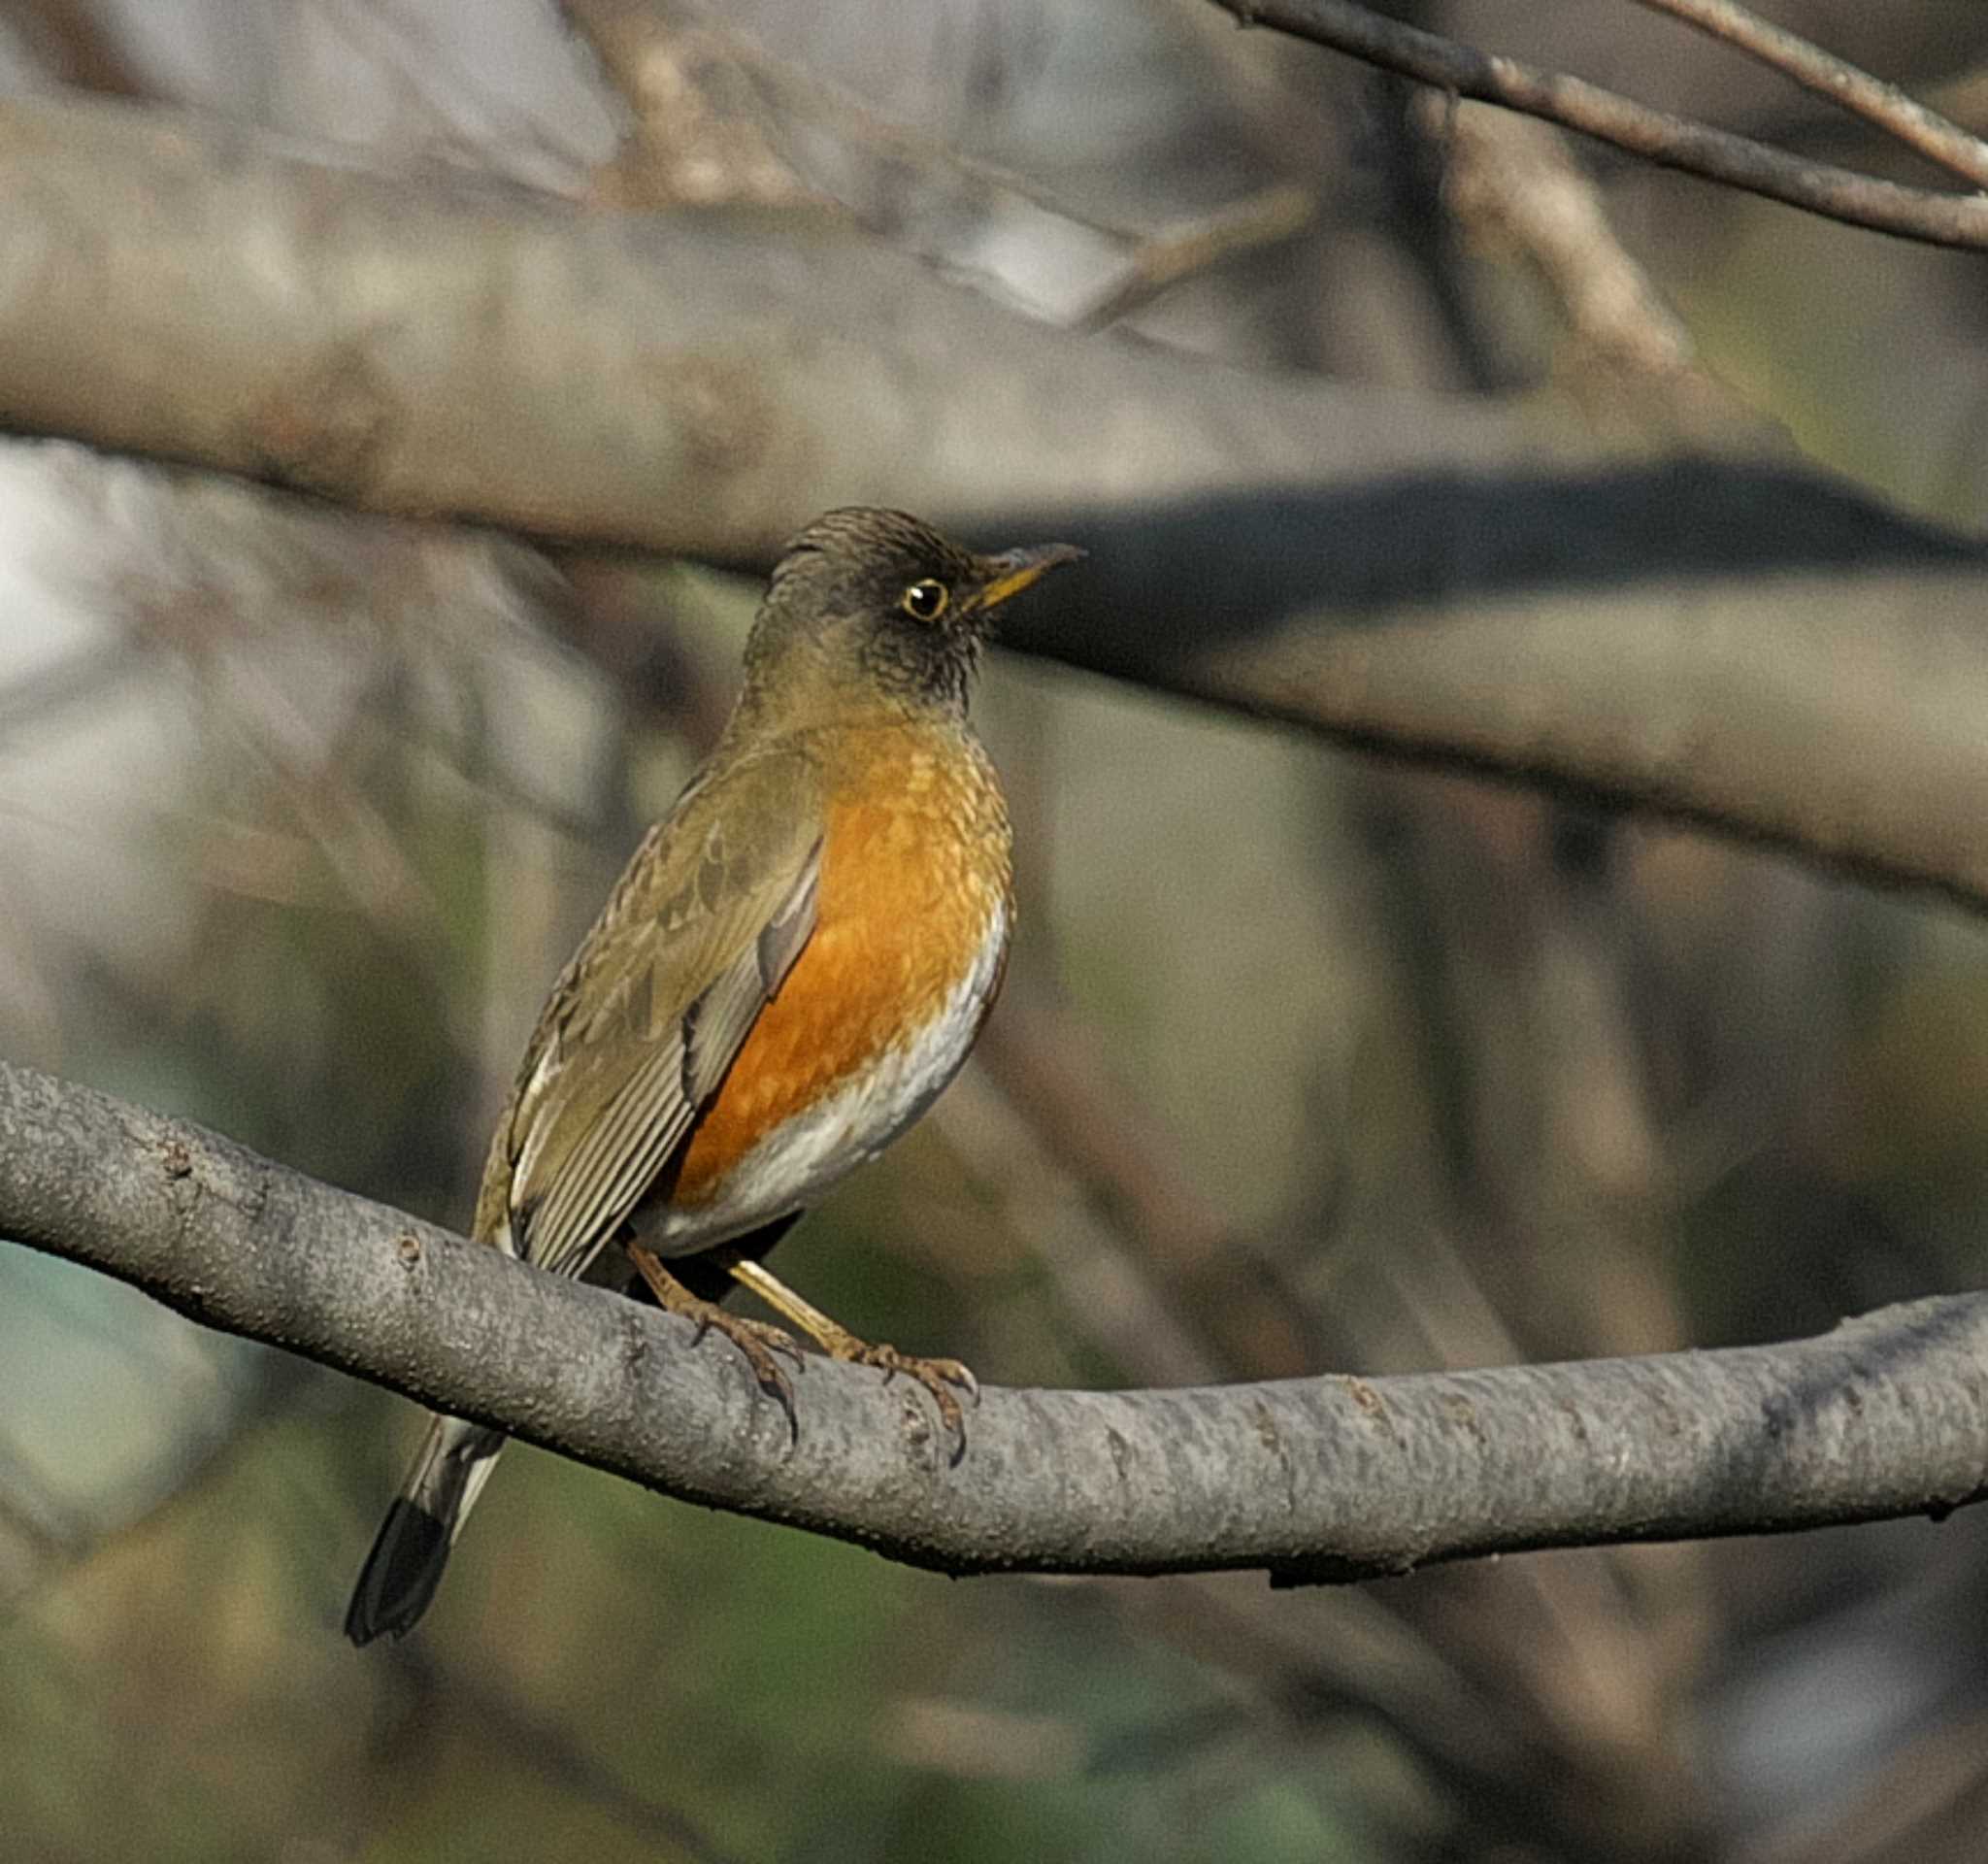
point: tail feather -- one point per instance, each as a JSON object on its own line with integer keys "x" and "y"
{"x": 407, "y": 1561}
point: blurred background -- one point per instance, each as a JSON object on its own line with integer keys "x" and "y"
{"x": 1306, "y": 1062}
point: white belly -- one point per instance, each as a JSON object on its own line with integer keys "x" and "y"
{"x": 798, "y": 1160}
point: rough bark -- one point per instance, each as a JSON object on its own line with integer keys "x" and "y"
{"x": 1317, "y": 1480}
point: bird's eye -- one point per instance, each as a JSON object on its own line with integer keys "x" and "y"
{"x": 925, "y": 600}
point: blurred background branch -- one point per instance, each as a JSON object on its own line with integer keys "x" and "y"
{"x": 1841, "y": 82}
{"x": 1654, "y": 135}
{"x": 1447, "y": 618}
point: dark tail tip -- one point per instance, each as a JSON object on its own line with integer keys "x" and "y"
{"x": 400, "y": 1575}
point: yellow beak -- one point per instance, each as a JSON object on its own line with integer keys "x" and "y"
{"x": 1015, "y": 569}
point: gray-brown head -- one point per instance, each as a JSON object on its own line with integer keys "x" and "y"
{"x": 879, "y": 601}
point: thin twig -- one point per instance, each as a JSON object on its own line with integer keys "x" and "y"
{"x": 1658, "y": 136}
{"x": 640, "y": 53}
{"x": 1163, "y": 260}
{"x": 78, "y": 49}
{"x": 1054, "y": 1071}
{"x": 1936, "y": 137}
{"x": 569, "y": 1761}
{"x": 93, "y": 673}
{"x": 1514, "y": 183}
{"x": 662, "y": 72}
{"x": 681, "y": 147}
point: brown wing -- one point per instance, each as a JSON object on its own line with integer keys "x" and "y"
{"x": 706, "y": 922}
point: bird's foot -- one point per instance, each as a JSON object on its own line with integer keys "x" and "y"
{"x": 757, "y": 1340}
{"x": 939, "y": 1376}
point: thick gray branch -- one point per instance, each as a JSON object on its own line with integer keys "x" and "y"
{"x": 1736, "y": 642}
{"x": 1315, "y": 1479}
{"x": 434, "y": 346}
{"x": 1823, "y": 694}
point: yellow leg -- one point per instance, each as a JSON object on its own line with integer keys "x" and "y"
{"x": 937, "y": 1376}
{"x": 755, "y": 1339}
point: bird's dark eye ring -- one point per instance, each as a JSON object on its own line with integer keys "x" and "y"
{"x": 925, "y": 600}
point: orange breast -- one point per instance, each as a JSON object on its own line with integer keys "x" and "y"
{"x": 915, "y": 865}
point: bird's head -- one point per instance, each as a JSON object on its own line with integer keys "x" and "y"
{"x": 880, "y": 602}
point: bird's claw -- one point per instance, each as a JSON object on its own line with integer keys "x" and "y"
{"x": 758, "y": 1340}
{"x": 938, "y": 1376}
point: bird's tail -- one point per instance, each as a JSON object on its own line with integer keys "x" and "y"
{"x": 405, "y": 1566}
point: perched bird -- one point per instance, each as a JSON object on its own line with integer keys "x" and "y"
{"x": 794, "y": 963}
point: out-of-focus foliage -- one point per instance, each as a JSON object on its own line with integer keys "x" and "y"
{"x": 300, "y": 815}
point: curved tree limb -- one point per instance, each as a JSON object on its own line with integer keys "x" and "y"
{"x": 1318, "y": 1479}
{"x": 1656, "y": 135}
{"x": 1436, "y": 577}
